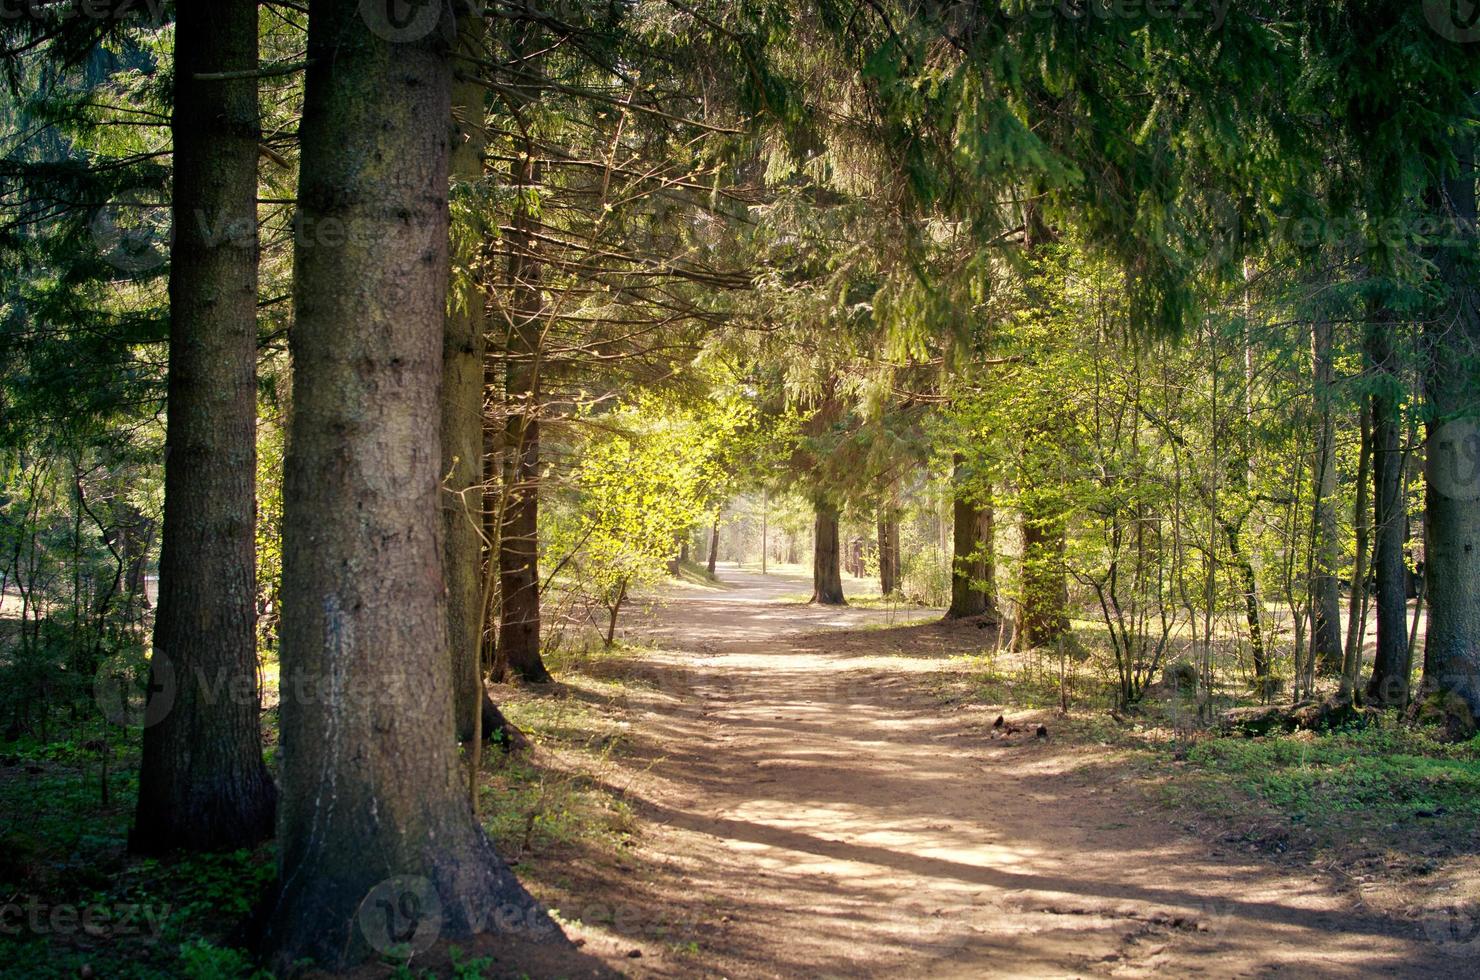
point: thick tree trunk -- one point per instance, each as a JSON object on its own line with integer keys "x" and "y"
{"x": 827, "y": 571}
{"x": 972, "y": 564}
{"x": 463, "y": 352}
{"x": 519, "y": 576}
{"x": 1452, "y": 468}
{"x": 375, "y": 826}
{"x": 202, "y": 782}
{"x": 1391, "y": 669}
{"x": 1351, "y": 668}
{"x": 1325, "y": 587}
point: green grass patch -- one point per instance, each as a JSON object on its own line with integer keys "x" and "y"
{"x": 561, "y": 799}
{"x": 1385, "y": 773}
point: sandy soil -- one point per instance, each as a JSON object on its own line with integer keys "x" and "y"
{"x": 811, "y": 810}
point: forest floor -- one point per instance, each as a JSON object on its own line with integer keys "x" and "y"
{"x": 752, "y": 787}
{"x": 805, "y": 792}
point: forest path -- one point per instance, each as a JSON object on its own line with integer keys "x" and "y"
{"x": 820, "y": 814}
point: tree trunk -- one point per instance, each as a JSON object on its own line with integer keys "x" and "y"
{"x": 827, "y": 572}
{"x": 1042, "y": 613}
{"x": 1391, "y": 669}
{"x": 1325, "y": 587}
{"x": 888, "y": 550}
{"x": 1452, "y": 463}
{"x": 375, "y": 826}
{"x": 202, "y": 782}
{"x": 463, "y": 352}
{"x": 519, "y": 576}
{"x": 972, "y": 564}
{"x": 1249, "y": 589}
{"x": 713, "y": 546}
{"x": 613, "y": 611}
{"x": 1351, "y": 669}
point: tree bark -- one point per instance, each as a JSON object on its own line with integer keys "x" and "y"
{"x": 1391, "y": 670}
{"x": 375, "y": 827}
{"x": 713, "y": 546}
{"x": 202, "y": 782}
{"x": 1452, "y": 463}
{"x": 888, "y": 550}
{"x": 972, "y": 564}
{"x": 463, "y": 352}
{"x": 1325, "y": 587}
{"x": 1249, "y": 589}
{"x": 827, "y": 571}
{"x": 519, "y": 548}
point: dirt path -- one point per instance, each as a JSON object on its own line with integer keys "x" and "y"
{"x": 819, "y": 814}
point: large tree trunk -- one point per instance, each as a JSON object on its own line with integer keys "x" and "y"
{"x": 202, "y": 782}
{"x": 1391, "y": 669}
{"x": 972, "y": 565}
{"x": 463, "y": 351}
{"x": 1452, "y": 467}
{"x": 827, "y": 572}
{"x": 1325, "y": 587}
{"x": 375, "y": 828}
{"x": 519, "y": 576}
{"x": 519, "y": 545}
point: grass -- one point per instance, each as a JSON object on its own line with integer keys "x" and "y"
{"x": 536, "y": 807}
{"x": 1386, "y": 796}
{"x": 1388, "y": 775}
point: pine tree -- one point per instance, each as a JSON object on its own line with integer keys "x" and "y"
{"x": 372, "y": 804}
{"x": 202, "y": 781}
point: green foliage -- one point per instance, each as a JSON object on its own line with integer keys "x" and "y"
{"x": 1383, "y": 773}
{"x": 655, "y": 470}
{"x": 531, "y": 810}
{"x": 200, "y": 960}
